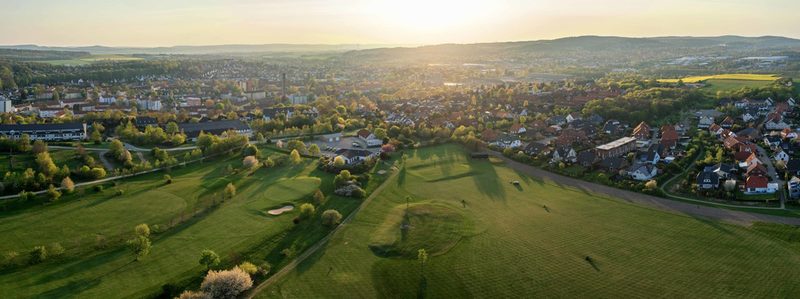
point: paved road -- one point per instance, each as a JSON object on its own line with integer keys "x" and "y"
{"x": 771, "y": 172}
{"x": 677, "y": 207}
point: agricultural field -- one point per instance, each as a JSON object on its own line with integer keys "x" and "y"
{"x": 739, "y": 77}
{"x": 186, "y": 216}
{"x": 487, "y": 237}
{"x": 91, "y": 59}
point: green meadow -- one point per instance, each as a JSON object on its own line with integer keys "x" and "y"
{"x": 186, "y": 216}
{"x": 489, "y": 238}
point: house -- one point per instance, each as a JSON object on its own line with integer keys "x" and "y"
{"x": 517, "y": 129}
{"x": 793, "y": 166}
{"x": 749, "y": 134}
{"x": 564, "y": 154}
{"x": 788, "y": 133}
{"x": 723, "y": 170}
{"x": 586, "y": 158}
{"x": 354, "y": 156}
{"x": 642, "y": 172}
{"x": 715, "y": 129}
{"x": 595, "y": 119}
{"x": 613, "y": 164}
{"x": 369, "y": 138}
{"x": 507, "y": 141}
{"x": 642, "y": 131}
{"x": 570, "y": 136}
{"x": 192, "y": 130}
{"x": 613, "y": 127}
{"x": 489, "y": 135}
{"x": 707, "y": 180}
{"x": 557, "y": 120}
{"x": 705, "y": 122}
{"x": 774, "y": 122}
{"x": 142, "y": 122}
{"x": 727, "y": 122}
{"x": 277, "y": 112}
{"x": 759, "y": 185}
{"x": 46, "y": 132}
{"x": 782, "y": 156}
{"x": 794, "y": 187}
{"x": 752, "y": 160}
{"x": 651, "y": 156}
{"x": 772, "y": 140}
{"x": 616, "y": 148}
{"x": 669, "y": 137}
{"x": 756, "y": 170}
{"x": 536, "y": 149}
{"x": 572, "y": 117}
{"x": 748, "y": 117}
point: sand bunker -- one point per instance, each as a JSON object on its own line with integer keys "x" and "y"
{"x": 278, "y": 211}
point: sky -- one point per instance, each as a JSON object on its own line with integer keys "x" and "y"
{"x": 148, "y": 23}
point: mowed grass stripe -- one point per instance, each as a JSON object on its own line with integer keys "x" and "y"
{"x": 521, "y": 250}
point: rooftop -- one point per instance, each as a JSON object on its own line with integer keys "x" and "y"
{"x": 616, "y": 143}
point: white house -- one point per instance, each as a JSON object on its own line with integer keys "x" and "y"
{"x": 747, "y": 117}
{"x": 642, "y": 172}
{"x": 508, "y": 141}
{"x": 782, "y": 156}
{"x": 369, "y": 138}
{"x": 354, "y": 156}
{"x": 705, "y": 122}
{"x": 564, "y": 154}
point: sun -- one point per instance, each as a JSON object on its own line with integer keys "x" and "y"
{"x": 429, "y": 15}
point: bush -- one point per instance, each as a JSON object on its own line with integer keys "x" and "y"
{"x": 194, "y": 295}
{"x": 306, "y": 210}
{"x": 119, "y": 192}
{"x": 264, "y": 268}
{"x": 351, "y": 190}
{"x": 249, "y": 162}
{"x": 230, "y": 191}
{"x": 67, "y": 185}
{"x": 98, "y": 188}
{"x": 319, "y": 198}
{"x": 168, "y": 179}
{"x": 10, "y": 259}
{"x": 53, "y": 193}
{"x": 209, "y": 258}
{"x": 331, "y": 218}
{"x": 248, "y": 267}
{"x": 26, "y": 195}
{"x": 226, "y": 284}
{"x": 56, "y": 249}
{"x": 38, "y": 255}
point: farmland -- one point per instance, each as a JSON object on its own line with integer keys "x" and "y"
{"x": 489, "y": 238}
{"x": 91, "y": 59}
{"x": 187, "y": 216}
{"x": 738, "y": 77}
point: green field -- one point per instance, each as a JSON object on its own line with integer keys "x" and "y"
{"x": 187, "y": 211}
{"x": 739, "y": 77}
{"x": 91, "y": 59}
{"x": 504, "y": 243}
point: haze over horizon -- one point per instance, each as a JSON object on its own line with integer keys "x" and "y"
{"x": 149, "y": 23}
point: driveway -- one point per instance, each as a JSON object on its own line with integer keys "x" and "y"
{"x": 672, "y": 206}
{"x": 771, "y": 172}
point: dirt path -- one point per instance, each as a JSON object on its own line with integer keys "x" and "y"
{"x": 311, "y": 250}
{"x": 673, "y": 206}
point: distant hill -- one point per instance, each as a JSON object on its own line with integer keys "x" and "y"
{"x": 583, "y": 47}
{"x": 198, "y": 50}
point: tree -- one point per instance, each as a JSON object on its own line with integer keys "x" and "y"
{"x": 67, "y": 185}
{"x": 172, "y": 128}
{"x": 24, "y": 143}
{"x": 53, "y": 193}
{"x": 140, "y": 244}
{"x": 295, "y": 144}
{"x": 46, "y": 164}
{"x": 193, "y": 295}
{"x": 167, "y": 179}
{"x": 331, "y": 218}
{"x": 314, "y": 149}
{"x": 209, "y": 258}
{"x": 295, "y": 157}
{"x": 306, "y": 210}
{"x": 226, "y": 284}
{"x": 422, "y": 257}
{"x": 38, "y": 255}
{"x": 230, "y": 191}
{"x": 249, "y": 162}
{"x": 319, "y": 198}
{"x": 651, "y": 185}
{"x": 39, "y": 147}
{"x": 96, "y": 137}
{"x": 55, "y": 249}
{"x": 380, "y": 133}
{"x": 338, "y": 161}
{"x": 343, "y": 178}
{"x": 248, "y": 267}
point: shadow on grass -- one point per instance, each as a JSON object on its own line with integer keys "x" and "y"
{"x": 71, "y": 289}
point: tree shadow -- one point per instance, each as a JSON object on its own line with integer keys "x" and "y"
{"x": 71, "y": 289}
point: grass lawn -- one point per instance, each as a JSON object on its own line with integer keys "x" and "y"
{"x": 741, "y": 77}
{"x": 504, "y": 243}
{"x": 712, "y": 86}
{"x": 237, "y": 229}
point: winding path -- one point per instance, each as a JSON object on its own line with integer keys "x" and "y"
{"x": 673, "y": 206}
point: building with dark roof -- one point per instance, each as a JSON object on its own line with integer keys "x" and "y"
{"x": 192, "y": 130}
{"x": 46, "y": 132}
